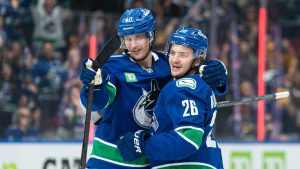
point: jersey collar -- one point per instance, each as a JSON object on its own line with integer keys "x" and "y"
{"x": 154, "y": 55}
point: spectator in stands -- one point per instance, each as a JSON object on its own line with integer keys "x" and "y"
{"x": 72, "y": 68}
{"x": 68, "y": 107}
{"x": 295, "y": 92}
{"x": 21, "y": 126}
{"x": 15, "y": 56}
{"x": 46, "y": 63}
{"x": 48, "y": 22}
{"x": 47, "y": 75}
{"x": 9, "y": 90}
{"x": 290, "y": 127}
{"x": 72, "y": 118}
{"x": 36, "y": 122}
{"x": 248, "y": 112}
{"x": 17, "y": 21}
{"x": 170, "y": 8}
{"x": 3, "y": 33}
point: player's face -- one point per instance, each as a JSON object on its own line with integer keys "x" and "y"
{"x": 137, "y": 45}
{"x": 180, "y": 60}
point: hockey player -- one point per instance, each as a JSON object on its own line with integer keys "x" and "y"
{"x": 127, "y": 86}
{"x": 184, "y": 115}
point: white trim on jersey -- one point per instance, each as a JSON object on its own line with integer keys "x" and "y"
{"x": 190, "y": 127}
{"x": 106, "y": 143}
{"x": 112, "y": 161}
{"x": 112, "y": 85}
{"x": 155, "y": 56}
{"x": 119, "y": 163}
{"x": 117, "y": 56}
{"x": 184, "y": 163}
{"x": 185, "y": 138}
{"x": 95, "y": 116}
{"x": 188, "y": 140}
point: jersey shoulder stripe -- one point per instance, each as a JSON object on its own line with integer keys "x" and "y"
{"x": 108, "y": 152}
{"x": 186, "y": 165}
{"x": 191, "y": 134}
{"x": 117, "y": 56}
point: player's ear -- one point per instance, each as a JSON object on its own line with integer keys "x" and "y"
{"x": 197, "y": 62}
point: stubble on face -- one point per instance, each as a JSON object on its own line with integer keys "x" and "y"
{"x": 180, "y": 60}
{"x": 137, "y": 45}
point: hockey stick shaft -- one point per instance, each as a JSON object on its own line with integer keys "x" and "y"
{"x": 86, "y": 131}
{"x": 246, "y": 100}
{"x": 111, "y": 46}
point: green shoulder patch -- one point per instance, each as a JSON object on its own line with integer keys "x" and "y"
{"x": 130, "y": 77}
{"x": 186, "y": 82}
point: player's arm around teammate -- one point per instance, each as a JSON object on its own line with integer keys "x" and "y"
{"x": 126, "y": 88}
{"x": 181, "y": 131}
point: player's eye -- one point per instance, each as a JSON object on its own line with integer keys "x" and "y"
{"x": 172, "y": 53}
{"x": 183, "y": 55}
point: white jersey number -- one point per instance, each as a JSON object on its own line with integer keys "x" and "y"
{"x": 209, "y": 141}
{"x": 190, "y": 108}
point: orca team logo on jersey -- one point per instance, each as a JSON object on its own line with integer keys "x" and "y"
{"x": 143, "y": 109}
{"x": 186, "y": 82}
{"x": 130, "y": 77}
{"x": 154, "y": 123}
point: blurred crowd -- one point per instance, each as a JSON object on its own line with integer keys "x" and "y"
{"x": 43, "y": 41}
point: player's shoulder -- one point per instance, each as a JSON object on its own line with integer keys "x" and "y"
{"x": 117, "y": 58}
{"x": 117, "y": 61}
{"x": 161, "y": 55}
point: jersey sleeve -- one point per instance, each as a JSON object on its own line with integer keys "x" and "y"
{"x": 186, "y": 108}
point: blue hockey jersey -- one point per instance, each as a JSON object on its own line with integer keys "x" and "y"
{"x": 128, "y": 100}
{"x": 181, "y": 130}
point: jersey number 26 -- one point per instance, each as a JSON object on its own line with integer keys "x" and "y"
{"x": 190, "y": 108}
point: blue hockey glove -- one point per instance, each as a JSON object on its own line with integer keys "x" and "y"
{"x": 131, "y": 145}
{"x": 214, "y": 73}
{"x": 88, "y": 75}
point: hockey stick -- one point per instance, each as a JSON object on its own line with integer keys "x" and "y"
{"x": 111, "y": 46}
{"x": 246, "y": 100}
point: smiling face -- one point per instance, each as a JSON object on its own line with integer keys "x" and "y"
{"x": 137, "y": 45}
{"x": 180, "y": 60}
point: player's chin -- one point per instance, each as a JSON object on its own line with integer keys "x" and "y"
{"x": 176, "y": 75}
{"x": 137, "y": 56}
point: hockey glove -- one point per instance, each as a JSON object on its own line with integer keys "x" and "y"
{"x": 89, "y": 76}
{"x": 214, "y": 73}
{"x": 131, "y": 145}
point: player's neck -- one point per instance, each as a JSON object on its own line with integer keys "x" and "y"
{"x": 147, "y": 62}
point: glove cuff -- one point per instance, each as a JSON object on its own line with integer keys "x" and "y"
{"x": 222, "y": 90}
{"x": 201, "y": 68}
{"x": 140, "y": 137}
{"x": 98, "y": 77}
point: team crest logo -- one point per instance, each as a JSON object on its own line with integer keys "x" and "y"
{"x": 154, "y": 123}
{"x": 143, "y": 109}
{"x": 186, "y": 82}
